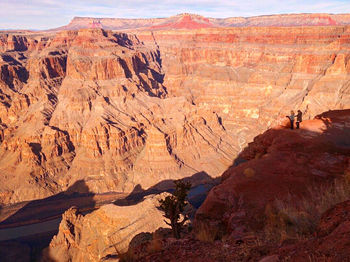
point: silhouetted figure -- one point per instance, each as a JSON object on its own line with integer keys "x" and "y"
{"x": 299, "y": 118}
{"x": 291, "y": 119}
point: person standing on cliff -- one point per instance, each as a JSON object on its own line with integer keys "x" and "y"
{"x": 291, "y": 119}
{"x": 299, "y": 118}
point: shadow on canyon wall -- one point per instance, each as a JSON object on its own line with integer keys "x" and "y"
{"x": 331, "y": 134}
{"x": 201, "y": 184}
{"x": 328, "y": 136}
{"x": 40, "y": 210}
{"x": 29, "y": 248}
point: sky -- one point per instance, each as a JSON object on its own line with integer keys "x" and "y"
{"x": 45, "y": 14}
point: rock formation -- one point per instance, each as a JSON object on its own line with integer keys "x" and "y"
{"x": 91, "y": 105}
{"x": 119, "y": 110}
{"x": 330, "y": 243}
{"x": 193, "y": 21}
{"x": 280, "y": 165}
{"x": 294, "y": 167}
{"x": 104, "y": 232}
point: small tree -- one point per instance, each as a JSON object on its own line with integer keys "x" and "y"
{"x": 173, "y": 206}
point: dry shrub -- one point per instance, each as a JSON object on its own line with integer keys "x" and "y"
{"x": 206, "y": 233}
{"x": 291, "y": 219}
{"x": 128, "y": 256}
{"x": 148, "y": 247}
{"x": 155, "y": 245}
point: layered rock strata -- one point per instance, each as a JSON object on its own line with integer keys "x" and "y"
{"x": 193, "y": 21}
{"x": 105, "y": 232}
{"x": 91, "y": 105}
{"x": 252, "y": 77}
{"x": 120, "y": 110}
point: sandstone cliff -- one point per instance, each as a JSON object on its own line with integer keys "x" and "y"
{"x": 92, "y": 105}
{"x": 104, "y": 232}
{"x": 118, "y": 110}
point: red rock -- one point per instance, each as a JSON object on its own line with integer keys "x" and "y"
{"x": 93, "y": 105}
{"x": 192, "y": 21}
{"x": 90, "y": 99}
{"x": 279, "y": 163}
{"x": 186, "y": 22}
{"x": 332, "y": 241}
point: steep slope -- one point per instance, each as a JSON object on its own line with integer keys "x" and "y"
{"x": 91, "y": 105}
{"x": 104, "y": 232}
{"x": 252, "y": 77}
{"x": 120, "y": 110}
{"x": 283, "y": 165}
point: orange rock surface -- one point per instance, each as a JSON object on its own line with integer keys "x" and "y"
{"x": 120, "y": 110}
{"x": 91, "y": 105}
{"x": 104, "y": 232}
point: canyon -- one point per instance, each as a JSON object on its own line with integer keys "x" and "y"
{"x": 286, "y": 179}
{"x": 129, "y": 105}
{"x": 119, "y": 110}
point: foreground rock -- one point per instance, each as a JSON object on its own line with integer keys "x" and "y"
{"x": 291, "y": 167}
{"x": 332, "y": 240}
{"x": 304, "y": 174}
{"x": 105, "y": 232}
{"x": 330, "y": 243}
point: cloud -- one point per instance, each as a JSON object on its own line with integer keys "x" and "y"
{"x": 43, "y": 14}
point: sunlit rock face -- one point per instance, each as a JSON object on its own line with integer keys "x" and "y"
{"x": 91, "y": 105}
{"x": 252, "y": 77}
{"x": 119, "y": 110}
{"x": 104, "y": 232}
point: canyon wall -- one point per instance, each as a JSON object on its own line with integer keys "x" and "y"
{"x": 194, "y": 21}
{"x": 252, "y": 77}
{"x": 281, "y": 169}
{"x": 91, "y": 105}
{"x": 119, "y": 110}
{"x": 104, "y": 233}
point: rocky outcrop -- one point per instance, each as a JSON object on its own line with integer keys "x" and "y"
{"x": 330, "y": 243}
{"x": 280, "y": 165}
{"x": 104, "y": 232}
{"x": 309, "y": 167}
